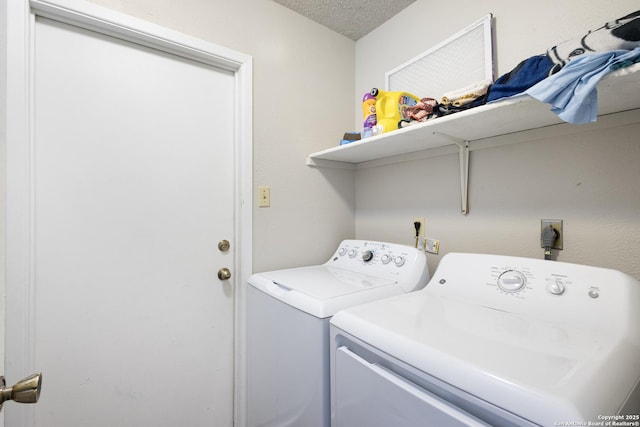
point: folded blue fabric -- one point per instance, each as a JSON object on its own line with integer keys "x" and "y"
{"x": 572, "y": 90}
{"x": 522, "y": 77}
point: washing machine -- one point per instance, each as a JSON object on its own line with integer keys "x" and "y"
{"x": 288, "y": 314}
{"x": 492, "y": 341}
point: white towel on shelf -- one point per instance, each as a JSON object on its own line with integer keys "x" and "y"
{"x": 474, "y": 90}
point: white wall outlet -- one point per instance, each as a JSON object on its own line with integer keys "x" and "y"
{"x": 264, "y": 196}
{"x": 421, "y": 220}
{"x": 432, "y": 246}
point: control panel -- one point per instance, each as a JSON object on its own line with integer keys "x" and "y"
{"x": 526, "y": 285}
{"x": 401, "y": 263}
{"x": 516, "y": 281}
{"x": 554, "y": 280}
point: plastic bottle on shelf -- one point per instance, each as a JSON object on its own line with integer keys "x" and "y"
{"x": 391, "y": 107}
{"x": 369, "y": 115}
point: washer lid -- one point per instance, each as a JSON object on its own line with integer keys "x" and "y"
{"x": 323, "y": 290}
{"x": 545, "y": 372}
{"x": 325, "y": 282}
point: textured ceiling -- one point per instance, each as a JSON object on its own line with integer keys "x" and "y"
{"x": 351, "y": 18}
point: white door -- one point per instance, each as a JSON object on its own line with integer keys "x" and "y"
{"x": 132, "y": 177}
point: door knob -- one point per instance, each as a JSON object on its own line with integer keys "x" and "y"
{"x": 224, "y": 274}
{"x": 24, "y": 391}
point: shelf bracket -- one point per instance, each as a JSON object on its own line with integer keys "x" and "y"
{"x": 463, "y": 155}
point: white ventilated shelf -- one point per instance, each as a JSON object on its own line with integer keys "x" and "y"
{"x": 618, "y": 91}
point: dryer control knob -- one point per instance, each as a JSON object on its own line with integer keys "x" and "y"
{"x": 512, "y": 281}
{"x": 556, "y": 287}
{"x": 367, "y": 256}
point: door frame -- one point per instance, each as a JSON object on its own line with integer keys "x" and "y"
{"x": 19, "y": 238}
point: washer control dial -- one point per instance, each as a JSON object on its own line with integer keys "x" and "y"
{"x": 367, "y": 256}
{"x": 512, "y": 281}
{"x": 353, "y": 253}
{"x": 386, "y": 259}
{"x": 399, "y": 261}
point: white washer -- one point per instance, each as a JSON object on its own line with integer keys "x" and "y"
{"x": 288, "y": 313}
{"x": 492, "y": 340}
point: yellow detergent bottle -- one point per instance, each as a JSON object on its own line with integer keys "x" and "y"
{"x": 391, "y": 107}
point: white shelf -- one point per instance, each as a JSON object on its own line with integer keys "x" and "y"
{"x": 617, "y": 92}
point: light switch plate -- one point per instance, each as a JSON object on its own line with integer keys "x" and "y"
{"x": 264, "y": 196}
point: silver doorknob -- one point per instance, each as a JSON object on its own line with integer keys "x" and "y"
{"x": 224, "y": 274}
{"x": 24, "y": 391}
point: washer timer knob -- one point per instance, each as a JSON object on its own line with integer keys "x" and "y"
{"x": 367, "y": 256}
{"x": 512, "y": 281}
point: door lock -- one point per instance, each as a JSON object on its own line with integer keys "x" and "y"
{"x": 24, "y": 391}
{"x": 223, "y": 245}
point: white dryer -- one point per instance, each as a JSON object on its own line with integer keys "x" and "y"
{"x": 492, "y": 341}
{"x": 288, "y": 313}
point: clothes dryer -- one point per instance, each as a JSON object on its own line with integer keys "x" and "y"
{"x": 493, "y": 341}
{"x": 288, "y": 313}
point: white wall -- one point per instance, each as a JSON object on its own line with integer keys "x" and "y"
{"x": 586, "y": 179}
{"x": 303, "y": 82}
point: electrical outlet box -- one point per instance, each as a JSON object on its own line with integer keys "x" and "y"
{"x": 557, "y": 225}
{"x": 421, "y": 220}
{"x": 432, "y": 246}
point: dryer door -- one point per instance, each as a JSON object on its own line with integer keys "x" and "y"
{"x": 369, "y": 395}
